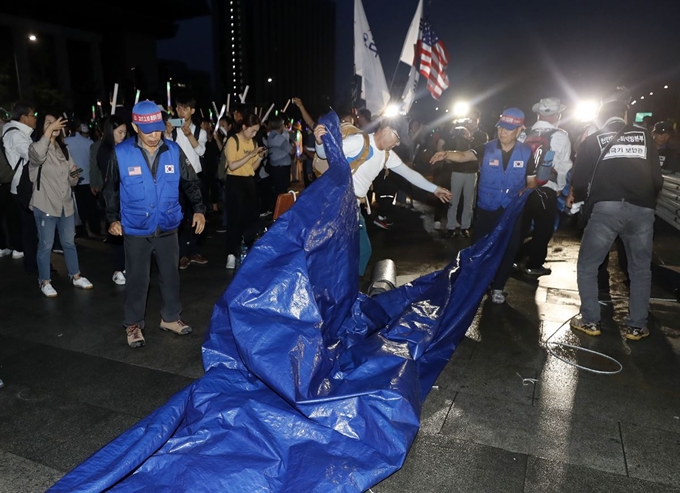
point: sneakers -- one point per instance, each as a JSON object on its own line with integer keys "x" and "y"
{"x": 636, "y": 333}
{"x": 437, "y": 225}
{"x": 198, "y": 259}
{"x": 184, "y": 263}
{"x": 48, "y": 290}
{"x": 135, "y": 338}
{"x": 178, "y": 327}
{"x": 221, "y": 229}
{"x": 381, "y": 222}
{"x": 497, "y": 296}
{"x": 119, "y": 278}
{"x": 537, "y": 271}
{"x": 82, "y": 283}
{"x": 590, "y": 328}
{"x": 5, "y": 252}
{"x": 231, "y": 262}
{"x": 57, "y": 250}
{"x": 465, "y": 233}
{"x": 451, "y": 233}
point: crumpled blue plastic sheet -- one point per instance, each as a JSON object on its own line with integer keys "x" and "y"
{"x": 309, "y": 385}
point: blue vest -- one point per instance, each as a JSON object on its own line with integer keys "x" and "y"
{"x": 147, "y": 205}
{"x": 497, "y": 187}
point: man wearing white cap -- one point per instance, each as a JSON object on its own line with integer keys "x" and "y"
{"x": 552, "y": 154}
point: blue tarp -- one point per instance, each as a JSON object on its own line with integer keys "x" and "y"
{"x": 309, "y": 385}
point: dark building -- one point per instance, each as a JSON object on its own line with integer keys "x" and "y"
{"x": 279, "y": 49}
{"x": 68, "y": 55}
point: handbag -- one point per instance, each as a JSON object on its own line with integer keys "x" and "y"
{"x": 284, "y": 202}
{"x": 587, "y": 208}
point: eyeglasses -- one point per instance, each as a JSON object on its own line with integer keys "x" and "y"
{"x": 396, "y": 135}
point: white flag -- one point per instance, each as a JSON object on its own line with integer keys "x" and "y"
{"x": 409, "y": 95}
{"x": 367, "y": 63}
{"x": 408, "y": 51}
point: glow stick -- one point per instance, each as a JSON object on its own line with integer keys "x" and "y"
{"x": 202, "y": 115}
{"x": 228, "y": 100}
{"x": 245, "y": 93}
{"x": 169, "y": 98}
{"x": 215, "y": 108}
{"x": 286, "y": 107}
{"x": 101, "y": 111}
{"x": 94, "y": 113}
{"x": 224, "y": 108}
{"x": 211, "y": 114}
{"x": 267, "y": 113}
{"x": 137, "y": 96}
{"x": 115, "y": 97}
{"x": 256, "y": 111}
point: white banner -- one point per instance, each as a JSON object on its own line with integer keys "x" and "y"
{"x": 367, "y": 63}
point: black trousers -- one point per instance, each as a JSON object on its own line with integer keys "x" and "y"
{"x": 280, "y": 179}
{"x": 385, "y": 187}
{"x": 485, "y": 223}
{"x": 29, "y": 238}
{"x": 138, "y": 251}
{"x": 9, "y": 215}
{"x": 87, "y": 209}
{"x": 188, "y": 239}
{"x": 541, "y": 209}
{"x": 242, "y": 212}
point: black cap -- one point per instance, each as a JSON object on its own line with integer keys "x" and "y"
{"x": 663, "y": 128}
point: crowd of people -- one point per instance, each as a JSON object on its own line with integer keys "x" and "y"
{"x": 148, "y": 183}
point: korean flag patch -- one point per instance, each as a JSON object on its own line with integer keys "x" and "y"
{"x": 518, "y": 164}
{"x": 169, "y": 168}
{"x": 493, "y": 162}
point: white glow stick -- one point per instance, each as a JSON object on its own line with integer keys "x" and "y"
{"x": 215, "y": 108}
{"x": 169, "y": 98}
{"x": 286, "y": 107}
{"x": 137, "y": 96}
{"x": 115, "y": 97}
{"x": 101, "y": 111}
{"x": 245, "y": 93}
{"x": 267, "y": 113}
{"x": 228, "y": 100}
{"x": 201, "y": 110}
{"x": 222, "y": 111}
{"x": 256, "y": 111}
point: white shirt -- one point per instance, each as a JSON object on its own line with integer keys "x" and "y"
{"x": 193, "y": 154}
{"x": 367, "y": 172}
{"x": 17, "y": 143}
{"x": 561, "y": 144}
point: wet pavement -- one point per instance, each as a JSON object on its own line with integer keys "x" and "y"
{"x": 505, "y": 415}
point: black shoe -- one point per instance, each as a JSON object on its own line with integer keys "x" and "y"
{"x": 450, "y": 233}
{"x": 537, "y": 272}
{"x": 465, "y": 233}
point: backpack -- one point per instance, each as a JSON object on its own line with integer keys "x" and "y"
{"x": 320, "y": 166}
{"x": 6, "y": 171}
{"x": 222, "y": 168}
{"x": 539, "y": 141}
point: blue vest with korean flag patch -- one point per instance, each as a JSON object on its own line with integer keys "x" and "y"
{"x": 148, "y": 204}
{"x": 498, "y": 186}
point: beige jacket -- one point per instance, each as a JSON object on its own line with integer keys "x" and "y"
{"x": 54, "y": 196}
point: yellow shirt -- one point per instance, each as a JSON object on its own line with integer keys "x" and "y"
{"x": 234, "y": 154}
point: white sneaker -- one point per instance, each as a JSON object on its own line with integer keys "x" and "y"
{"x": 497, "y": 296}
{"x": 17, "y": 255}
{"x": 231, "y": 262}
{"x": 119, "y": 278}
{"x": 83, "y": 283}
{"x": 5, "y": 252}
{"x": 437, "y": 225}
{"x": 48, "y": 290}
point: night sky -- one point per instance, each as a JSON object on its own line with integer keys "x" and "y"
{"x": 512, "y": 54}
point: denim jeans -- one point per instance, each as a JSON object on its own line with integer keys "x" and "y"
{"x": 46, "y": 225}
{"x": 635, "y": 226}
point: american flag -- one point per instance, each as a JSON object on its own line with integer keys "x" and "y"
{"x": 433, "y": 59}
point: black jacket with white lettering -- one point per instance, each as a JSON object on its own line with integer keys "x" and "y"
{"x": 629, "y": 172}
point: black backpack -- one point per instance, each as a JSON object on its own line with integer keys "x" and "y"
{"x": 6, "y": 171}
{"x": 222, "y": 167}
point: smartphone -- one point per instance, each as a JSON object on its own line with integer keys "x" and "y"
{"x": 76, "y": 172}
{"x": 176, "y": 122}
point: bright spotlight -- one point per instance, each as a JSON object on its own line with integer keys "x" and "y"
{"x": 665, "y": 87}
{"x": 651, "y": 94}
{"x": 461, "y": 109}
{"x": 391, "y": 111}
{"x": 586, "y": 110}
{"x": 32, "y": 37}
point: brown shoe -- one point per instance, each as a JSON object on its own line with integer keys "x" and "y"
{"x": 178, "y": 327}
{"x": 184, "y": 263}
{"x": 135, "y": 338}
{"x": 198, "y": 259}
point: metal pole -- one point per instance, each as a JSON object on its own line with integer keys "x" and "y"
{"x": 16, "y": 66}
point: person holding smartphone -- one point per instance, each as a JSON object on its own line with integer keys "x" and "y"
{"x": 53, "y": 173}
{"x": 243, "y": 158}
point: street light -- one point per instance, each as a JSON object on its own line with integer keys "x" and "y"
{"x": 31, "y": 37}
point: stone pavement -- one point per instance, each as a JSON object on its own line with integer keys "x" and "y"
{"x": 72, "y": 384}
